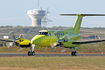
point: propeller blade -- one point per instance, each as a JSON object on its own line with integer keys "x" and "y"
{"x": 53, "y": 44}
{"x": 66, "y": 37}
{"x": 21, "y": 36}
{"x": 20, "y": 49}
{"x": 12, "y": 34}
{"x": 56, "y": 32}
{"x": 63, "y": 49}
{"x": 9, "y": 44}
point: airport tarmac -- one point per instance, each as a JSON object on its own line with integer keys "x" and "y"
{"x": 21, "y": 54}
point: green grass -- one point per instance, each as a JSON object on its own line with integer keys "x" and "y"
{"x": 53, "y": 63}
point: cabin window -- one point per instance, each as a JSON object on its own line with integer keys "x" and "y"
{"x": 55, "y": 34}
{"x": 59, "y": 34}
{"x": 69, "y": 34}
{"x": 50, "y": 34}
{"x": 63, "y": 34}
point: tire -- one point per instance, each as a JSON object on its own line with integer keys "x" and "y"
{"x": 28, "y": 53}
{"x": 33, "y": 53}
{"x": 75, "y": 53}
{"x": 72, "y": 53}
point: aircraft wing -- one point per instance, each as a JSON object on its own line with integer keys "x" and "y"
{"x": 7, "y": 40}
{"x": 86, "y": 42}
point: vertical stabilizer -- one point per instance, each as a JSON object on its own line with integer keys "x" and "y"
{"x": 77, "y": 25}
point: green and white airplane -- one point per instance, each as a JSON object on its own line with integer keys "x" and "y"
{"x": 66, "y": 38}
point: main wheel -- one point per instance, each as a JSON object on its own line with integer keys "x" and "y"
{"x": 74, "y": 53}
{"x": 29, "y": 53}
{"x": 33, "y": 53}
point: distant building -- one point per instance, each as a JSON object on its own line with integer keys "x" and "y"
{"x": 36, "y": 15}
{"x": 6, "y": 37}
{"x": 88, "y": 37}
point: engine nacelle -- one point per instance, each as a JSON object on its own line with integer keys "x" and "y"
{"x": 23, "y": 42}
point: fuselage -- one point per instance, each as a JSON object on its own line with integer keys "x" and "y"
{"x": 48, "y": 37}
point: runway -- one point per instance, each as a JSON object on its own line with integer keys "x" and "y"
{"x": 20, "y": 54}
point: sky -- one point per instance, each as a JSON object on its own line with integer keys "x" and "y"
{"x": 14, "y": 12}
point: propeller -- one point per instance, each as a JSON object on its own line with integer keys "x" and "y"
{"x": 9, "y": 44}
{"x": 14, "y": 42}
{"x": 61, "y": 41}
{"x": 66, "y": 37}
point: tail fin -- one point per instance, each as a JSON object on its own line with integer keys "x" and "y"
{"x": 77, "y": 25}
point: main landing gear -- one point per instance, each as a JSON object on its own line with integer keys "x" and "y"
{"x": 31, "y": 52}
{"x": 74, "y": 53}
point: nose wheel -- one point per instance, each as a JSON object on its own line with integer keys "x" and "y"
{"x": 30, "y": 53}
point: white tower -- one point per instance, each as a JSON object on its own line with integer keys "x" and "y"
{"x": 36, "y": 15}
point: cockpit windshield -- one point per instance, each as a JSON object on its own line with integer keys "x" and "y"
{"x": 43, "y": 33}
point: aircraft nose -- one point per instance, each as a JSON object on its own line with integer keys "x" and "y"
{"x": 37, "y": 39}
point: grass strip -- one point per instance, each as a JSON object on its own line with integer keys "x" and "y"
{"x": 53, "y": 63}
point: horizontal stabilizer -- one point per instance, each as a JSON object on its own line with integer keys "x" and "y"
{"x": 82, "y": 14}
{"x": 86, "y": 42}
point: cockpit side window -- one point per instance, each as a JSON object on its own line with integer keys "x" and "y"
{"x": 43, "y": 33}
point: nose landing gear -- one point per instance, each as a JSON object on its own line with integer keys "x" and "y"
{"x": 31, "y": 52}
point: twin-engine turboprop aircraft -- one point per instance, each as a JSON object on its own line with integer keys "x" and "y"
{"x": 66, "y": 38}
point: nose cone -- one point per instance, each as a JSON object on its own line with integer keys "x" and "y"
{"x": 37, "y": 39}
